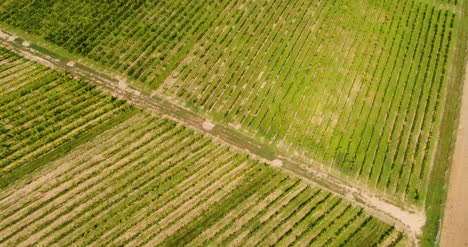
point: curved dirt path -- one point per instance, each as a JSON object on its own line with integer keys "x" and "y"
{"x": 409, "y": 220}
{"x": 455, "y": 228}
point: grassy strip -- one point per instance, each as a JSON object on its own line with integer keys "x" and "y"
{"x": 437, "y": 195}
{"x": 10, "y": 177}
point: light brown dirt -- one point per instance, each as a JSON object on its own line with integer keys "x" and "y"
{"x": 455, "y": 228}
{"x": 208, "y": 125}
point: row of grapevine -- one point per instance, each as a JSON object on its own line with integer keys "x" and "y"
{"x": 358, "y": 88}
{"x": 149, "y": 181}
{"x": 41, "y": 110}
{"x": 142, "y": 39}
{"x": 355, "y": 84}
{"x": 76, "y": 25}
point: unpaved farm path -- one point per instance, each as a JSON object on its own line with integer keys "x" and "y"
{"x": 409, "y": 220}
{"x": 455, "y": 228}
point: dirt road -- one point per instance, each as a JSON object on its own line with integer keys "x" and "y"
{"x": 455, "y": 228}
{"x": 404, "y": 219}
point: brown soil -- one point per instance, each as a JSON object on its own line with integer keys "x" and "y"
{"x": 455, "y": 228}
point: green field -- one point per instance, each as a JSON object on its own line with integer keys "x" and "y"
{"x": 357, "y": 85}
{"x": 146, "y": 180}
{"x": 41, "y": 109}
{"x": 366, "y": 92}
{"x": 352, "y": 97}
{"x": 126, "y": 36}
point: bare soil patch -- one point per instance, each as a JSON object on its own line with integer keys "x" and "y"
{"x": 208, "y": 125}
{"x": 277, "y": 163}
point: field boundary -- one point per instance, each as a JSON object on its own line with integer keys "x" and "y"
{"x": 443, "y": 162}
{"x": 455, "y": 218}
{"x": 409, "y": 220}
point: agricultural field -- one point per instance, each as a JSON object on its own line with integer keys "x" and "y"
{"x": 146, "y": 180}
{"x": 41, "y": 110}
{"x": 132, "y": 37}
{"x": 228, "y": 123}
{"x": 356, "y": 85}
{"x": 357, "y": 88}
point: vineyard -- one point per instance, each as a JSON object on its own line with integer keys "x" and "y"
{"x": 131, "y": 37}
{"x": 357, "y": 85}
{"x": 41, "y": 110}
{"x": 146, "y": 180}
{"x": 228, "y": 123}
{"x": 357, "y": 88}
